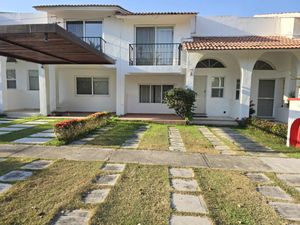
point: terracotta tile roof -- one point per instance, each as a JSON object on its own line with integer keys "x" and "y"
{"x": 241, "y": 43}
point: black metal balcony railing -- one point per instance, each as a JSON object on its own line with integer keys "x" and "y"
{"x": 155, "y": 54}
{"x": 96, "y": 42}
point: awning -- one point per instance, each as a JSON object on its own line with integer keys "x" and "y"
{"x": 48, "y": 44}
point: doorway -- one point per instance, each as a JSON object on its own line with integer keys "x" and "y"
{"x": 265, "y": 101}
{"x": 200, "y": 88}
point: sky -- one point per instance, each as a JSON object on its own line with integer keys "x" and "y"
{"x": 203, "y": 7}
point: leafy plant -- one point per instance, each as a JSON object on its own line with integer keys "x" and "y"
{"x": 70, "y": 130}
{"x": 182, "y": 101}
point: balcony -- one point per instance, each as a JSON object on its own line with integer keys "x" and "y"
{"x": 155, "y": 54}
{"x": 96, "y": 42}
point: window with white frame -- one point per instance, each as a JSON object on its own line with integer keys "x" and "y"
{"x": 217, "y": 87}
{"x": 237, "y": 89}
{"x": 33, "y": 77}
{"x": 92, "y": 86}
{"x": 153, "y": 93}
{"x": 11, "y": 79}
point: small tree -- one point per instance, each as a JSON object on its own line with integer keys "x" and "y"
{"x": 182, "y": 101}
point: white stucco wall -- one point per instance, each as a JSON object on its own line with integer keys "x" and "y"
{"x": 237, "y": 26}
{"x": 68, "y": 99}
{"x": 132, "y": 92}
{"x": 22, "y": 97}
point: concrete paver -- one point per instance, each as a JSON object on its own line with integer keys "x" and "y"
{"x": 189, "y": 220}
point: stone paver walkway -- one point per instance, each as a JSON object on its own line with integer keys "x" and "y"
{"x": 16, "y": 175}
{"x": 176, "y": 143}
{"x": 97, "y": 196}
{"x": 274, "y": 192}
{"x": 215, "y": 141}
{"x": 245, "y": 143}
{"x": 134, "y": 141}
{"x": 4, "y": 187}
{"x": 289, "y": 211}
{"x": 182, "y": 180}
{"x": 75, "y": 217}
{"x": 282, "y": 202}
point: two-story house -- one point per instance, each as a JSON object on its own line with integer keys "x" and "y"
{"x": 86, "y": 58}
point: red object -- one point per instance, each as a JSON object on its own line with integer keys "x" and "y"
{"x": 295, "y": 134}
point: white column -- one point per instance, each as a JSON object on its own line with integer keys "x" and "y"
{"x": 120, "y": 88}
{"x": 2, "y": 84}
{"x": 52, "y": 88}
{"x": 44, "y": 90}
{"x": 189, "y": 78}
{"x": 245, "y": 89}
{"x": 192, "y": 58}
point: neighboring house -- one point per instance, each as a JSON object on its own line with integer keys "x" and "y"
{"x": 86, "y": 58}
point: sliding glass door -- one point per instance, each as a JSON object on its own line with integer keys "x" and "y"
{"x": 154, "y": 46}
{"x": 89, "y": 31}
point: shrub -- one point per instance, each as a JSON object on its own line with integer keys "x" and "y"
{"x": 182, "y": 101}
{"x": 275, "y": 128}
{"x": 70, "y": 130}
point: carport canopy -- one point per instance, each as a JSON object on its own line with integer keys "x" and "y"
{"x": 48, "y": 44}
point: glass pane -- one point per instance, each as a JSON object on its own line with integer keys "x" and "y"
{"x": 11, "y": 84}
{"x": 222, "y": 81}
{"x": 75, "y": 27}
{"x": 11, "y": 74}
{"x": 215, "y": 82}
{"x": 266, "y": 89}
{"x": 217, "y": 92}
{"x": 144, "y": 93}
{"x": 33, "y": 79}
{"x": 84, "y": 86}
{"x": 156, "y": 93}
{"x": 265, "y": 107}
{"x": 100, "y": 86}
{"x": 145, "y": 48}
{"x": 93, "y": 29}
{"x": 164, "y": 50}
{"x": 238, "y": 84}
{"x": 237, "y": 95}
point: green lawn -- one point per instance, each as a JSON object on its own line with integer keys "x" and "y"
{"x": 42, "y": 196}
{"x": 156, "y": 138}
{"x": 194, "y": 141}
{"x": 116, "y": 136}
{"x": 141, "y": 196}
{"x": 269, "y": 140}
{"x": 7, "y": 138}
{"x": 232, "y": 199}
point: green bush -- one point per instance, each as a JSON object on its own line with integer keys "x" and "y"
{"x": 275, "y": 128}
{"x": 182, "y": 101}
{"x": 70, "y": 130}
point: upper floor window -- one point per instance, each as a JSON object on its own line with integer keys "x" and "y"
{"x": 262, "y": 65}
{"x": 11, "y": 79}
{"x": 210, "y": 63}
{"x": 85, "y": 28}
{"x": 154, "y": 46}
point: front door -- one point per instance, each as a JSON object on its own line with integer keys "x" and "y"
{"x": 200, "y": 88}
{"x": 265, "y": 101}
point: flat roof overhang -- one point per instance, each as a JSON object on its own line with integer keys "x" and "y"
{"x": 48, "y": 44}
